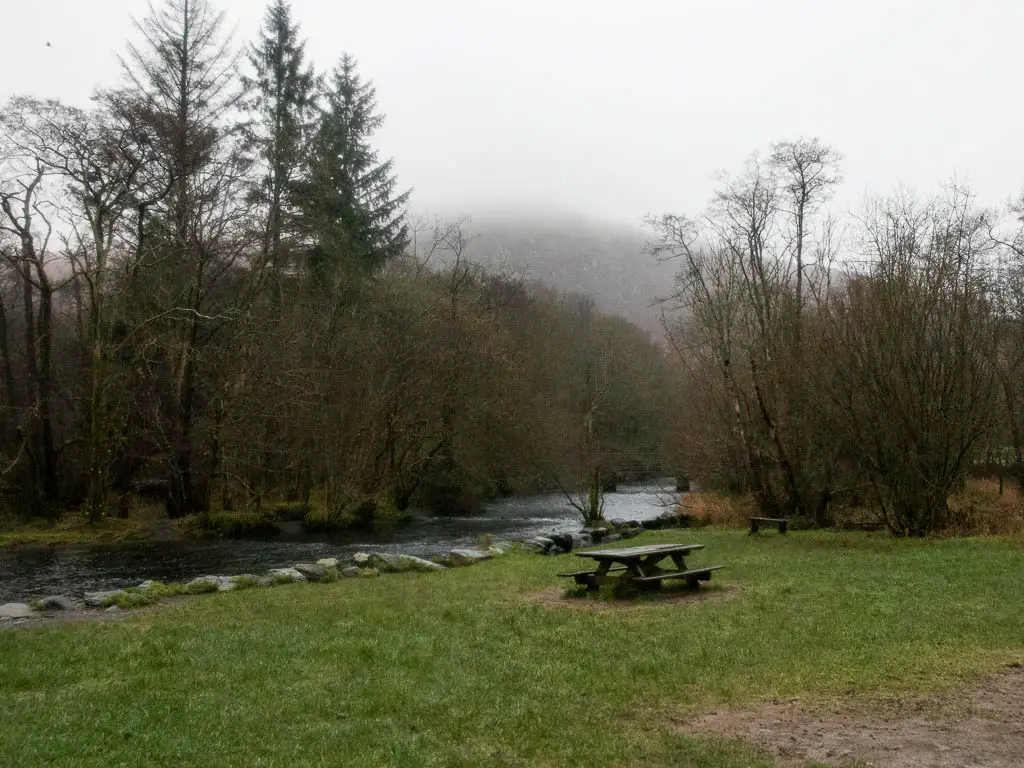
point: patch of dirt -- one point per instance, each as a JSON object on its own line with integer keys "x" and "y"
{"x": 48, "y": 618}
{"x": 556, "y": 597}
{"x": 982, "y": 728}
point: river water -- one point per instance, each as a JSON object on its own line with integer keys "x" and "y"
{"x": 26, "y": 574}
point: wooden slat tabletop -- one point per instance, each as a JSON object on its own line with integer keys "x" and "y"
{"x": 634, "y": 553}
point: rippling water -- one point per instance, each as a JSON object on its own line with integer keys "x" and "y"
{"x": 27, "y": 574}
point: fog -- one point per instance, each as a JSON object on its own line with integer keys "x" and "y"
{"x": 616, "y": 110}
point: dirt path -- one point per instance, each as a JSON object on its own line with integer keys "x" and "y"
{"x": 555, "y": 597}
{"x": 981, "y": 728}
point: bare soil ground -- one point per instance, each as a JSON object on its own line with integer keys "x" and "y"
{"x": 982, "y": 728}
{"x": 46, "y": 618}
{"x": 556, "y": 597}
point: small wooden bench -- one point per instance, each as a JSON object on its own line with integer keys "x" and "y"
{"x": 778, "y": 522}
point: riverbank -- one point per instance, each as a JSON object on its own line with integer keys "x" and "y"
{"x": 508, "y": 516}
{"x": 74, "y": 528}
{"x": 29, "y": 572}
{"x": 469, "y": 667}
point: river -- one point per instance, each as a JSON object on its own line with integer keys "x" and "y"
{"x": 26, "y": 574}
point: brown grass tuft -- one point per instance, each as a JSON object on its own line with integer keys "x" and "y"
{"x": 719, "y": 509}
{"x": 980, "y": 510}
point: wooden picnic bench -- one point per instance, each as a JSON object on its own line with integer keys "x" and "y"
{"x": 778, "y": 522}
{"x": 639, "y": 566}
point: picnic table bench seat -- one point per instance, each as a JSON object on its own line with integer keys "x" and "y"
{"x": 695, "y": 574}
{"x": 582, "y": 577}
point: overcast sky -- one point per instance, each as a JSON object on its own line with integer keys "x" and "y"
{"x": 618, "y": 108}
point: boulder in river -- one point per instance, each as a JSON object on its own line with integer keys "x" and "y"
{"x": 563, "y": 540}
{"x": 539, "y": 544}
{"x": 97, "y": 599}
{"x": 418, "y": 564}
{"x": 285, "y": 575}
{"x": 462, "y": 557}
{"x": 350, "y": 571}
{"x": 362, "y": 560}
{"x": 58, "y": 603}
{"x": 312, "y": 571}
{"x": 627, "y": 529}
{"x": 581, "y": 539}
{"x": 369, "y": 573}
{"x": 385, "y": 562}
{"x": 328, "y": 562}
{"x": 14, "y": 611}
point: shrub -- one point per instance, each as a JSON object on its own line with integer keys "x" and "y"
{"x": 360, "y": 512}
{"x": 132, "y": 598}
{"x": 293, "y": 511}
{"x": 245, "y": 581}
{"x": 232, "y": 525}
{"x": 199, "y": 588}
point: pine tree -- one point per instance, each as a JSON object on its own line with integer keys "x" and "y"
{"x": 348, "y": 201}
{"x": 179, "y": 89}
{"x": 280, "y": 100}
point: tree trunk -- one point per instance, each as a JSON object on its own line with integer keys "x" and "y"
{"x": 181, "y": 499}
{"x": 48, "y": 450}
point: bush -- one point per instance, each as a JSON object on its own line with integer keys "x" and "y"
{"x": 361, "y": 512}
{"x": 132, "y": 598}
{"x": 232, "y": 525}
{"x": 293, "y": 512}
{"x": 245, "y": 582}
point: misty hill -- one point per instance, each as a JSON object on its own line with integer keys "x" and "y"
{"x": 604, "y": 261}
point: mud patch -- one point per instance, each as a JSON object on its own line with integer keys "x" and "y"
{"x": 44, "y": 619}
{"x": 980, "y": 727}
{"x": 558, "y": 597}
{"x": 49, "y": 618}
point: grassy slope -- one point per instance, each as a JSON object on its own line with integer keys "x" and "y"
{"x": 457, "y": 669}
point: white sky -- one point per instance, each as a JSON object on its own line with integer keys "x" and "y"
{"x": 618, "y": 108}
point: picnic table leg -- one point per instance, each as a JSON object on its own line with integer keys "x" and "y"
{"x": 638, "y": 570}
{"x": 648, "y": 566}
{"x": 782, "y": 526}
{"x": 593, "y": 583}
{"x": 753, "y": 527}
{"x": 679, "y": 559}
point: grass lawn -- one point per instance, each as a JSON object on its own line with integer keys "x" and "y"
{"x": 459, "y": 669}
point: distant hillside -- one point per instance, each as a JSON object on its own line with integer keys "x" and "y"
{"x": 572, "y": 253}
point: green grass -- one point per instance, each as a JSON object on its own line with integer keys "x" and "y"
{"x": 458, "y": 669}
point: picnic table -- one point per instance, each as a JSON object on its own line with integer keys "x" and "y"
{"x": 641, "y": 566}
